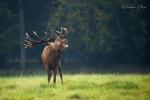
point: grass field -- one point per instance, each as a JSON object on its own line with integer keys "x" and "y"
{"x": 76, "y": 87}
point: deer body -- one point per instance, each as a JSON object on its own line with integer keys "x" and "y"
{"x": 51, "y": 58}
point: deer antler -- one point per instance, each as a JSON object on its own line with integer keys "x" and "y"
{"x": 64, "y": 31}
{"x": 29, "y": 42}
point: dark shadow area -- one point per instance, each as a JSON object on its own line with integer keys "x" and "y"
{"x": 76, "y": 68}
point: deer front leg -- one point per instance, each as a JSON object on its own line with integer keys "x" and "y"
{"x": 49, "y": 72}
{"x": 55, "y": 73}
{"x": 60, "y": 71}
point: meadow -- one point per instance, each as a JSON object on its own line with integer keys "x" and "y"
{"x": 76, "y": 87}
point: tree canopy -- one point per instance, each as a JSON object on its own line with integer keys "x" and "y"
{"x": 99, "y": 30}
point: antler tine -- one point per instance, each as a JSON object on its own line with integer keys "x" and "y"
{"x": 28, "y": 45}
{"x": 37, "y": 36}
{"x": 45, "y": 33}
{"x": 34, "y": 32}
{"x": 52, "y": 35}
{"x": 58, "y": 33}
{"x": 63, "y": 31}
{"x": 28, "y": 37}
{"x": 28, "y": 41}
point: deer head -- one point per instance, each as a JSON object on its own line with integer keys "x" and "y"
{"x": 60, "y": 43}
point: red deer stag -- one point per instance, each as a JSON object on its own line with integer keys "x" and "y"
{"x": 51, "y": 55}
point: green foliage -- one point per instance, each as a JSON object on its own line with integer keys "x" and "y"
{"x": 8, "y": 28}
{"x": 102, "y": 28}
{"x": 77, "y": 87}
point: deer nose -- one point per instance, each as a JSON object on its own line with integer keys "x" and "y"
{"x": 66, "y": 46}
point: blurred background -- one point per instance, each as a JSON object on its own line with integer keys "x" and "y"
{"x": 105, "y": 36}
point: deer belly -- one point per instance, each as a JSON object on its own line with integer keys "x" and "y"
{"x": 53, "y": 64}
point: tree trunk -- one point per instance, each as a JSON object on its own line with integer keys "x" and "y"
{"x": 21, "y": 30}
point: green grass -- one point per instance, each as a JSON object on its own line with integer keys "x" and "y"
{"x": 76, "y": 87}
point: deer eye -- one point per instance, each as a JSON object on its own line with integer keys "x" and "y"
{"x": 66, "y": 43}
